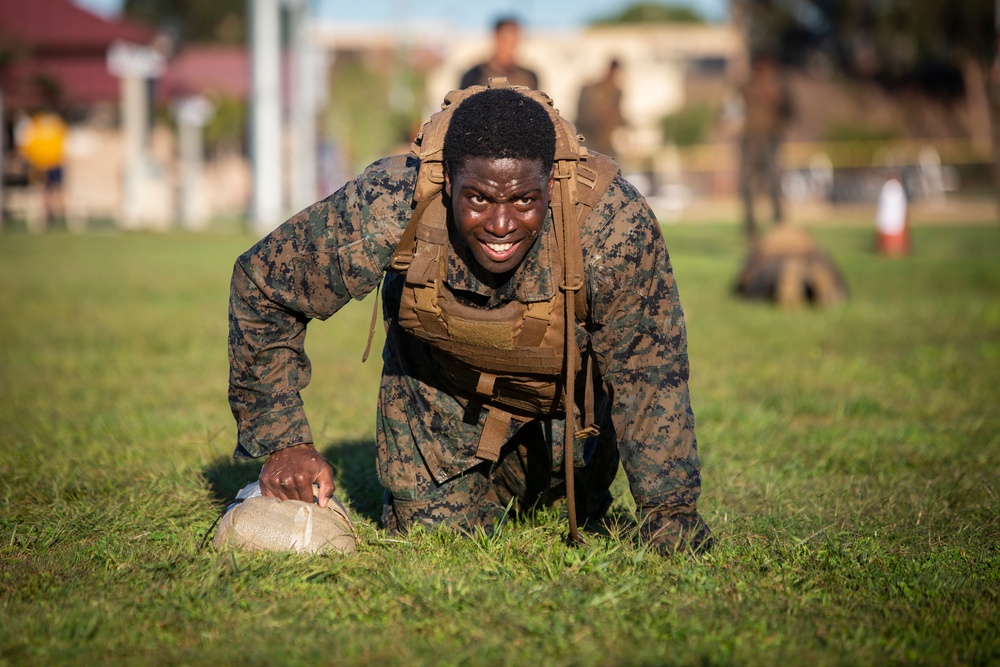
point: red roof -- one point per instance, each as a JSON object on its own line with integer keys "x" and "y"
{"x": 222, "y": 70}
{"x": 59, "y": 25}
{"x": 58, "y": 41}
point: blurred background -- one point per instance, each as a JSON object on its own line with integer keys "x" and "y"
{"x": 167, "y": 114}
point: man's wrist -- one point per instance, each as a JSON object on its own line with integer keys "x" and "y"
{"x": 301, "y": 445}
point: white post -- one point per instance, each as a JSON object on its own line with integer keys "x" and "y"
{"x": 304, "y": 107}
{"x": 192, "y": 114}
{"x": 134, "y": 116}
{"x": 134, "y": 65}
{"x": 265, "y": 113}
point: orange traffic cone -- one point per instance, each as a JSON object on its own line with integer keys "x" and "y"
{"x": 892, "y": 220}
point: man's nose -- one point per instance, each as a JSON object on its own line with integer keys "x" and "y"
{"x": 502, "y": 222}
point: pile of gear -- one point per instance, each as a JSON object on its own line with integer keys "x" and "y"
{"x": 788, "y": 267}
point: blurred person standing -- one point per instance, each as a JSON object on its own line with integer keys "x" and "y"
{"x": 599, "y": 111}
{"x": 40, "y": 140}
{"x": 767, "y": 109}
{"x": 506, "y": 36}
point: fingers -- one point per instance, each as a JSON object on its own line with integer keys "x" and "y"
{"x": 277, "y": 474}
{"x": 326, "y": 485}
{"x": 269, "y": 487}
{"x": 284, "y": 484}
{"x": 290, "y": 474}
{"x": 300, "y": 485}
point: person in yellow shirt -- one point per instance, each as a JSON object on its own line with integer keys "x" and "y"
{"x": 41, "y": 142}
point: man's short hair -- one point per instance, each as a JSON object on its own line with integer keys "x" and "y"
{"x": 500, "y": 123}
{"x": 505, "y": 21}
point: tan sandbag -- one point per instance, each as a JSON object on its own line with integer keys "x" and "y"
{"x": 788, "y": 267}
{"x": 269, "y": 524}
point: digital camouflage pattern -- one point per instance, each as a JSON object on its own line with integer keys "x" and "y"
{"x": 337, "y": 249}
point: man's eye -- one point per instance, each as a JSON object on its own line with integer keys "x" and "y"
{"x": 478, "y": 200}
{"x": 526, "y": 201}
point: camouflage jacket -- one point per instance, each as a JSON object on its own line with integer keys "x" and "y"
{"x": 338, "y": 248}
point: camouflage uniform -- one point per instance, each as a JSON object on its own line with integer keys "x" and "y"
{"x": 337, "y": 249}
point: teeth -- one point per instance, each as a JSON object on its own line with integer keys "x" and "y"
{"x": 499, "y": 247}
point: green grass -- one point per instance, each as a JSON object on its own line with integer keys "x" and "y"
{"x": 850, "y": 463}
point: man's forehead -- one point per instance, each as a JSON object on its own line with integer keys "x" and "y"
{"x": 500, "y": 168}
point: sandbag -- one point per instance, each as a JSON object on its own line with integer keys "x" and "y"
{"x": 268, "y": 524}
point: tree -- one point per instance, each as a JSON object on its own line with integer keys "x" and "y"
{"x": 945, "y": 48}
{"x": 200, "y": 21}
{"x": 892, "y": 41}
{"x": 652, "y": 12}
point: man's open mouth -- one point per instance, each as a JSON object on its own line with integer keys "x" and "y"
{"x": 499, "y": 251}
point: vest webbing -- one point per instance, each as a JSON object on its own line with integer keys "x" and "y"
{"x": 519, "y": 360}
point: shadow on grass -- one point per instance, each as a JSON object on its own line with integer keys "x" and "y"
{"x": 225, "y": 476}
{"x": 353, "y": 463}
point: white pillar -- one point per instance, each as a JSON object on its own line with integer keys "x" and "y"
{"x": 304, "y": 108}
{"x": 265, "y": 114}
{"x": 134, "y": 65}
{"x": 135, "y": 130}
{"x": 192, "y": 114}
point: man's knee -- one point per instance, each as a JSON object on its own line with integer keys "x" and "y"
{"x": 465, "y": 503}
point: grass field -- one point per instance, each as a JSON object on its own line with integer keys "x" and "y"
{"x": 850, "y": 463}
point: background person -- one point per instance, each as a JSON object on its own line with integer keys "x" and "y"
{"x": 503, "y": 62}
{"x": 599, "y": 111}
{"x": 767, "y": 108}
{"x": 41, "y": 139}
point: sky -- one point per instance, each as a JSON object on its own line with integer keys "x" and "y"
{"x": 472, "y": 14}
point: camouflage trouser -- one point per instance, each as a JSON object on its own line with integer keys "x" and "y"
{"x": 759, "y": 156}
{"x": 525, "y": 477}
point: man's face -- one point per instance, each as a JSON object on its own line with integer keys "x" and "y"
{"x": 499, "y": 206}
{"x": 507, "y": 38}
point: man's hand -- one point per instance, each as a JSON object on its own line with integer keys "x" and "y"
{"x": 669, "y": 530}
{"x": 289, "y": 474}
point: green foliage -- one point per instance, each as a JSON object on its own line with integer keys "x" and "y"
{"x": 859, "y": 143}
{"x": 896, "y": 42}
{"x": 218, "y": 21}
{"x": 227, "y": 128}
{"x": 689, "y": 125}
{"x": 849, "y": 456}
{"x": 652, "y": 12}
{"x": 372, "y": 111}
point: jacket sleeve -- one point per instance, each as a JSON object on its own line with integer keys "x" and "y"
{"x": 309, "y": 267}
{"x": 638, "y": 335}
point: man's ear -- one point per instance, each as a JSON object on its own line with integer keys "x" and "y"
{"x": 447, "y": 181}
{"x": 552, "y": 178}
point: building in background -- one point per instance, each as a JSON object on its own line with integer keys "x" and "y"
{"x": 54, "y": 56}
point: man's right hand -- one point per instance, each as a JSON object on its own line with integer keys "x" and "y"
{"x": 289, "y": 474}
